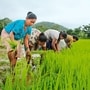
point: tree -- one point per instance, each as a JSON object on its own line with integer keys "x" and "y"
{"x": 86, "y": 29}
{"x": 70, "y": 31}
{"x": 77, "y": 31}
{"x": 4, "y": 22}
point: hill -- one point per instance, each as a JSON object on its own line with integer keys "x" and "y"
{"x": 4, "y": 22}
{"x": 42, "y": 26}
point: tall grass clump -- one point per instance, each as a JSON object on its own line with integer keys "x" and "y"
{"x": 65, "y": 70}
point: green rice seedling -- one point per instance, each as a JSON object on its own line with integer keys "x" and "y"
{"x": 13, "y": 44}
{"x": 65, "y": 70}
{"x": 8, "y": 84}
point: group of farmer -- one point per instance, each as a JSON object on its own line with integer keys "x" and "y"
{"x": 33, "y": 39}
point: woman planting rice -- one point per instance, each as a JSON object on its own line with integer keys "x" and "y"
{"x": 14, "y": 32}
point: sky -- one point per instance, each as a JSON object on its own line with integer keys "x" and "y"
{"x": 69, "y": 13}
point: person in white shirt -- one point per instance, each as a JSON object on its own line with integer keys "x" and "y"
{"x": 54, "y": 38}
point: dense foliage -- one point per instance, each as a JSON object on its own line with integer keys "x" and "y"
{"x": 4, "y": 22}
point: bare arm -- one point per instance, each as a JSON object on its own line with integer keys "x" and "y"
{"x": 54, "y": 44}
{"x": 57, "y": 47}
{"x": 11, "y": 36}
{"x": 68, "y": 42}
{"x": 26, "y": 42}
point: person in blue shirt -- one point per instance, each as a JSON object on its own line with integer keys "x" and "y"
{"x": 14, "y": 32}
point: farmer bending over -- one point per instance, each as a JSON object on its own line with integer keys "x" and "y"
{"x": 14, "y": 32}
{"x": 54, "y": 38}
{"x": 37, "y": 40}
{"x": 70, "y": 39}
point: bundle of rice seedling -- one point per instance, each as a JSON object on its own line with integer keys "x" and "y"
{"x": 13, "y": 44}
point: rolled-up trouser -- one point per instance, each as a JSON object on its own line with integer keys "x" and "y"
{"x": 5, "y": 38}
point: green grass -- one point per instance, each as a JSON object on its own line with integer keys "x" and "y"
{"x": 65, "y": 70}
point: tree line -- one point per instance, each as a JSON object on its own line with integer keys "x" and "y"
{"x": 82, "y": 31}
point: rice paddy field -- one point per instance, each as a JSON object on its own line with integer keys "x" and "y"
{"x": 65, "y": 70}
